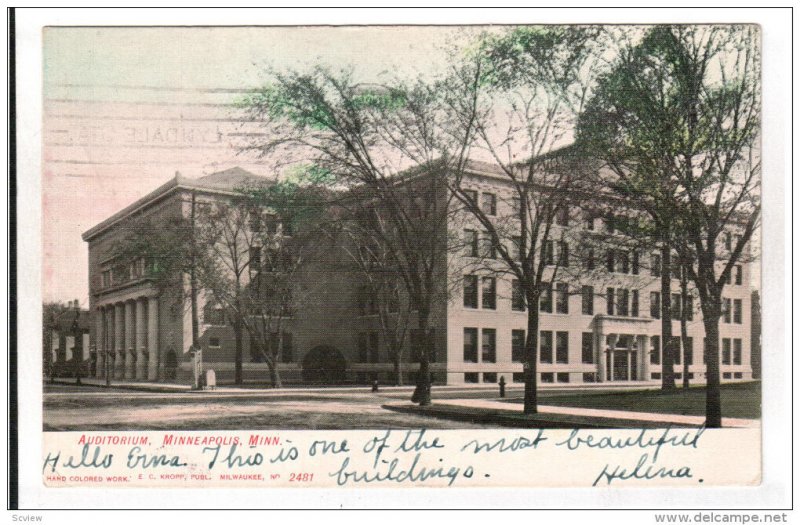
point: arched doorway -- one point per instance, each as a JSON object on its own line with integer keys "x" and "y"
{"x": 324, "y": 365}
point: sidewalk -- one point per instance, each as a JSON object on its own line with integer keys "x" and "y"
{"x": 625, "y": 415}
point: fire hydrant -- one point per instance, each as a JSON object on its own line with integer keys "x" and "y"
{"x": 375, "y": 385}
{"x": 502, "y": 384}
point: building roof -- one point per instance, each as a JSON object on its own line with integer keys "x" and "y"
{"x": 222, "y": 182}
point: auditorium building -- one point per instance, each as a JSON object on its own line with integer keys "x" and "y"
{"x": 602, "y": 327}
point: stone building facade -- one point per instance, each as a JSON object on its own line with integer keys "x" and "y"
{"x": 602, "y": 326}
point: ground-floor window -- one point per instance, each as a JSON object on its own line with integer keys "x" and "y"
{"x": 518, "y": 377}
{"x": 547, "y": 377}
{"x": 590, "y": 377}
{"x": 562, "y": 377}
{"x": 471, "y": 377}
{"x": 489, "y": 377}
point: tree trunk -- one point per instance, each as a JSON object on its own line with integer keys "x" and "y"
{"x": 667, "y": 372}
{"x": 713, "y": 402}
{"x": 238, "y": 349}
{"x": 274, "y": 377}
{"x": 685, "y": 328}
{"x": 531, "y": 358}
{"x": 398, "y": 368}
{"x": 422, "y": 392}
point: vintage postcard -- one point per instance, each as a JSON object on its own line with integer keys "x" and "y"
{"x": 402, "y": 256}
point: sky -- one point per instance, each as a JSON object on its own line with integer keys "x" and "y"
{"x": 125, "y": 108}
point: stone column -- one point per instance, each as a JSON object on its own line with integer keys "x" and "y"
{"x": 154, "y": 359}
{"x": 119, "y": 343}
{"x": 612, "y": 346}
{"x": 645, "y": 353}
{"x": 600, "y": 348}
{"x": 130, "y": 330}
{"x": 141, "y": 348}
{"x": 100, "y": 343}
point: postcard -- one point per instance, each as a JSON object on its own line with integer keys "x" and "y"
{"x": 492, "y": 256}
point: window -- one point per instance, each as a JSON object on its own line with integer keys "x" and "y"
{"x": 609, "y": 222}
{"x": 563, "y": 253}
{"x": 634, "y": 303}
{"x": 738, "y": 271}
{"x": 490, "y": 377}
{"x": 518, "y": 377}
{"x": 470, "y": 291}
{"x": 516, "y": 247}
{"x": 587, "y": 348}
{"x": 213, "y": 342}
{"x": 655, "y": 265}
{"x": 213, "y": 315}
{"x": 546, "y": 347}
{"x": 728, "y": 240}
{"x": 488, "y": 346}
{"x": 489, "y": 248}
{"x": 547, "y": 252}
{"x": 726, "y": 351}
{"x": 489, "y": 300}
{"x": 726, "y": 310}
{"x": 635, "y": 263}
{"x": 610, "y": 260}
{"x": 622, "y": 301}
{"x": 676, "y": 349}
{"x": 472, "y": 196}
{"x": 393, "y": 299}
{"x": 471, "y": 243}
{"x": 655, "y": 305}
{"x": 688, "y": 308}
{"x": 562, "y": 216}
{"x": 547, "y": 377}
{"x": 366, "y": 301}
{"x": 621, "y": 261}
{"x": 610, "y": 301}
{"x": 655, "y": 350}
{"x": 470, "y": 345}
{"x": 105, "y": 279}
{"x": 516, "y": 204}
{"x": 489, "y": 203}
{"x": 587, "y": 300}
{"x": 518, "y": 346}
{"x": 588, "y": 220}
{"x": 287, "y": 351}
{"x": 374, "y": 347}
{"x": 517, "y": 296}
{"x": 562, "y": 377}
{"x": 562, "y": 298}
{"x": 590, "y": 377}
{"x": 688, "y": 351}
{"x": 255, "y": 258}
{"x": 546, "y": 298}
{"x": 675, "y": 306}
{"x": 729, "y": 278}
{"x": 562, "y": 347}
{"x": 737, "y": 311}
{"x": 471, "y": 377}
{"x": 589, "y": 259}
{"x": 737, "y": 351}
{"x": 676, "y": 270}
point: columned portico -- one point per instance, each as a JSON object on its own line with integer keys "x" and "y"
{"x": 100, "y": 343}
{"x": 119, "y": 342}
{"x": 622, "y": 348}
{"x": 130, "y": 352}
{"x": 154, "y": 357}
{"x": 140, "y": 343}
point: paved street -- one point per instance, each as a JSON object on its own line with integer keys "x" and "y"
{"x": 92, "y": 408}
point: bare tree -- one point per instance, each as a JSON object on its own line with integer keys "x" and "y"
{"x": 677, "y": 122}
{"x": 377, "y": 143}
{"x": 515, "y": 100}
